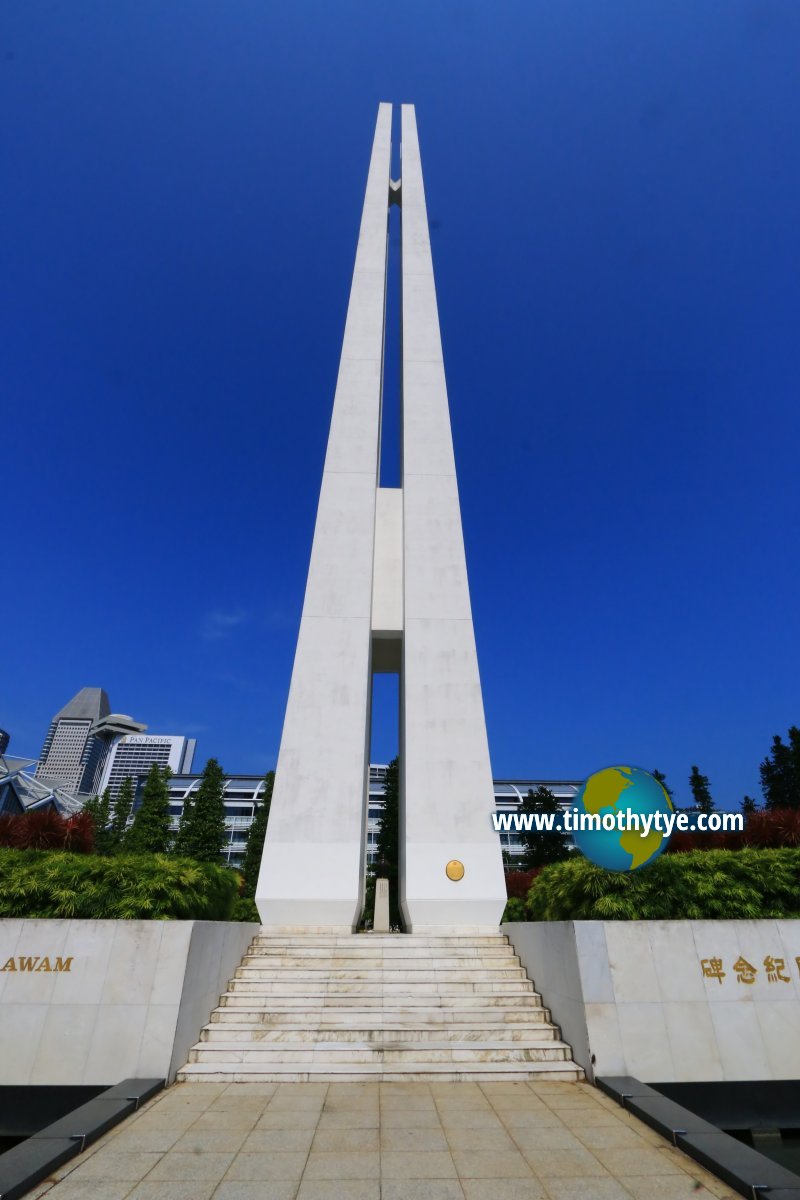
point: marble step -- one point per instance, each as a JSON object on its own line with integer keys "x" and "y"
{"x": 383, "y": 954}
{"x": 363, "y": 1052}
{"x": 377, "y": 962}
{"x": 334, "y": 1017}
{"x": 381, "y": 941}
{"x": 411, "y": 1071}
{"x": 434, "y": 931}
{"x": 324, "y": 986}
{"x": 310, "y": 1002}
{"x": 414, "y": 973}
{"x": 413, "y": 993}
{"x": 459, "y": 953}
{"x": 505, "y": 968}
{"x": 250, "y": 1031}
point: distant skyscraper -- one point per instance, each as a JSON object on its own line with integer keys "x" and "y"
{"x": 134, "y": 754}
{"x": 5, "y": 738}
{"x": 79, "y": 739}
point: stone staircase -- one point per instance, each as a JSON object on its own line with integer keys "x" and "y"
{"x": 328, "y": 1007}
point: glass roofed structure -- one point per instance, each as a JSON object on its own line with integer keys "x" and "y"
{"x": 21, "y": 791}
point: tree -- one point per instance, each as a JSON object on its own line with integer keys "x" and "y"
{"x": 119, "y": 818}
{"x": 255, "y": 838}
{"x": 780, "y": 772}
{"x": 748, "y": 806}
{"x": 701, "y": 791}
{"x": 180, "y": 845}
{"x": 149, "y": 833}
{"x": 202, "y": 831}
{"x": 539, "y": 847}
{"x": 387, "y": 847}
{"x": 99, "y": 809}
{"x": 662, "y": 779}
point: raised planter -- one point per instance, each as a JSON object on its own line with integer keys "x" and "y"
{"x": 91, "y": 1002}
{"x": 671, "y": 1001}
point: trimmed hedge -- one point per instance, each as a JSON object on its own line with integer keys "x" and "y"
{"x": 44, "y": 883}
{"x": 698, "y": 885}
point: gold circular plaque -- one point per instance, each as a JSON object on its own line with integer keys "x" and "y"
{"x": 454, "y": 870}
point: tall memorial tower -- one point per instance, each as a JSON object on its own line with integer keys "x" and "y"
{"x": 387, "y": 591}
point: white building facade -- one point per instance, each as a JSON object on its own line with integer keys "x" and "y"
{"x": 509, "y": 796}
{"x": 244, "y": 793}
{"x": 132, "y": 755}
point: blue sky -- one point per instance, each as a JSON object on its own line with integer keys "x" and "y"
{"x": 614, "y": 194}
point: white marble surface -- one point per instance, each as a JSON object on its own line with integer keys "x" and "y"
{"x": 387, "y": 588}
{"x": 132, "y": 1003}
{"x": 318, "y": 813}
{"x": 446, "y": 777}
{"x": 632, "y": 997}
{"x": 387, "y": 591}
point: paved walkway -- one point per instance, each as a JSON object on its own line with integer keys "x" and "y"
{"x": 382, "y": 1141}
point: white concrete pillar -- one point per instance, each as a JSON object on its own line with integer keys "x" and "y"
{"x": 380, "y": 923}
{"x": 387, "y": 590}
{"x": 446, "y": 777}
{"x": 312, "y": 868}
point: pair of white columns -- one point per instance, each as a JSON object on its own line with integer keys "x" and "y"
{"x": 387, "y": 590}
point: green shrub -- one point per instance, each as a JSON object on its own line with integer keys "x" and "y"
{"x": 245, "y": 910}
{"x": 43, "y": 883}
{"x": 699, "y": 885}
{"x": 514, "y": 910}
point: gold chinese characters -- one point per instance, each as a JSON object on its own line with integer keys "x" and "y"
{"x": 745, "y": 972}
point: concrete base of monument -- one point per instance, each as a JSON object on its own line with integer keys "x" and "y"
{"x": 91, "y": 1002}
{"x": 339, "y": 916}
{"x": 471, "y": 898}
{"x": 671, "y": 1001}
{"x": 455, "y": 930}
{"x": 432, "y": 915}
{"x": 269, "y": 929}
{"x": 323, "y": 893}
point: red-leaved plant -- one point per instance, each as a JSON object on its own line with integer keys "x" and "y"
{"x": 766, "y": 829}
{"x": 518, "y": 883}
{"x": 45, "y": 829}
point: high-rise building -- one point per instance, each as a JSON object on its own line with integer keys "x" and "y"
{"x": 132, "y": 755}
{"x": 70, "y": 751}
{"x": 79, "y": 738}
